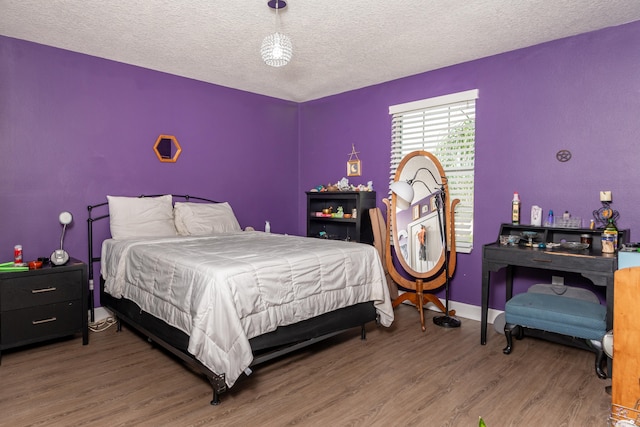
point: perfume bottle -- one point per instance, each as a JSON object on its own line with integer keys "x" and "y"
{"x": 515, "y": 209}
{"x": 550, "y": 219}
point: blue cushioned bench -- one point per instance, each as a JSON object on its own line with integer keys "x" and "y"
{"x": 558, "y": 314}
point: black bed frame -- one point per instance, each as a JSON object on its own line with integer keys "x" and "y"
{"x": 265, "y": 347}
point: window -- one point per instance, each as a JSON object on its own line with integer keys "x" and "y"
{"x": 445, "y": 127}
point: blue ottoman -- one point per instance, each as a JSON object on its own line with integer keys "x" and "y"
{"x": 558, "y": 314}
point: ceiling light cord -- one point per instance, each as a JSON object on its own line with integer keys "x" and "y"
{"x": 277, "y": 23}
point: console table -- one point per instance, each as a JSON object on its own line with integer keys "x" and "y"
{"x": 591, "y": 263}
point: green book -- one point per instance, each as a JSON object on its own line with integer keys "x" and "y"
{"x": 11, "y": 266}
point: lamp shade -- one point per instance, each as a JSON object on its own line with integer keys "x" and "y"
{"x": 65, "y": 218}
{"x": 276, "y": 50}
{"x": 404, "y": 194}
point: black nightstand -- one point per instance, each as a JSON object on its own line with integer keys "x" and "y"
{"x": 39, "y": 305}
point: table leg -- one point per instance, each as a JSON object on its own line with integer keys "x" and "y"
{"x": 509, "y": 283}
{"x": 609, "y": 297}
{"x": 486, "y": 275}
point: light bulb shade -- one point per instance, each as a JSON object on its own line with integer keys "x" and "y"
{"x": 276, "y": 50}
{"x": 65, "y": 218}
{"x": 404, "y": 194}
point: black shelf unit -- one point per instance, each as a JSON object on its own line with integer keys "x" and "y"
{"x": 356, "y": 229}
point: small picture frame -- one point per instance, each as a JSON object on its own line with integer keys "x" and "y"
{"x": 416, "y": 212}
{"x": 425, "y": 209}
{"x": 353, "y": 168}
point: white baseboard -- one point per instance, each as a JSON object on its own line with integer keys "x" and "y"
{"x": 467, "y": 311}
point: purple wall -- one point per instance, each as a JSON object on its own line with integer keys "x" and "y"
{"x": 581, "y": 93}
{"x": 75, "y": 128}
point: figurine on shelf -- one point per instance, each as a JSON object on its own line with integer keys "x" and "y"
{"x": 604, "y": 214}
{"x": 340, "y": 212}
{"x": 342, "y": 185}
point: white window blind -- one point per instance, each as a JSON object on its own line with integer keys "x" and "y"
{"x": 445, "y": 127}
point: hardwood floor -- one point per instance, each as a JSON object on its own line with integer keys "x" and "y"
{"x": 398, "y": 377}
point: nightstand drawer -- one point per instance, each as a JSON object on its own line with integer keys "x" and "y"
{"x": 39, "y": 289}
{"x": 37, "y": 323}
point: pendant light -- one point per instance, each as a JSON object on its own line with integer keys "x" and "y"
{"x": 276, "y": 48}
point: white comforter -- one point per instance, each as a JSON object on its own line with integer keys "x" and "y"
{"x": 224, "y": 289}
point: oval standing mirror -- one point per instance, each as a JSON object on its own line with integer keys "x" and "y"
{"x": 422, "y": 219}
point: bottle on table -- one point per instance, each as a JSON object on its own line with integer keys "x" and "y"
{"x": 550, "y": 219}
{"x": 515, "y": 209}
{"x": 610, "y": 237}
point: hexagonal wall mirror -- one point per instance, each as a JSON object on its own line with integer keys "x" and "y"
{"x": 167, "y": 148}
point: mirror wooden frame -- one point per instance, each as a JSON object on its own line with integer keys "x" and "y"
{"x": 167, "y": 157}
{"x": 437, "y": 276}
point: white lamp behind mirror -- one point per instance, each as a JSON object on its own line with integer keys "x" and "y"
{"x": 60, "y": 256}
{"x": 404, "y": 193}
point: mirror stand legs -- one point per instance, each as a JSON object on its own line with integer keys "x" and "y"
{"x": 420, "y": 299}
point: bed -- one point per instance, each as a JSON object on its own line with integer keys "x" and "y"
{"x": 180, "y": 270}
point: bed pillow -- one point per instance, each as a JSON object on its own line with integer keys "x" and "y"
{"x": 132, "y": 217}
{"x": 197, "y": 219}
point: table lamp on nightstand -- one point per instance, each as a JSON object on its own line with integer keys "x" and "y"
{"x": 60, "y": 256}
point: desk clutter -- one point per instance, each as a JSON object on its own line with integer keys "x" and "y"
{"x": 584, "y": 240}
{"x": 602, "y": 217}
{"x": 19, "y": 264}
{"x": 13, "y": 266}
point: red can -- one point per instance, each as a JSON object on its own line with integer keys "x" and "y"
{"x": 17, "y": 254}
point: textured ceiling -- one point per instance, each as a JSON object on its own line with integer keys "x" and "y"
{"x": 338, "y": 46}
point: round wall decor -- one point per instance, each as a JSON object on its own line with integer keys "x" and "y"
{"x": 563, "y": 156}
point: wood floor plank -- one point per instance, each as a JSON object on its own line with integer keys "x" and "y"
{"x": 398, "y": 376}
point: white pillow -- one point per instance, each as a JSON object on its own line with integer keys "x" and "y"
{"x": 131, "y": 217}
{"x": 197, "y": 219}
